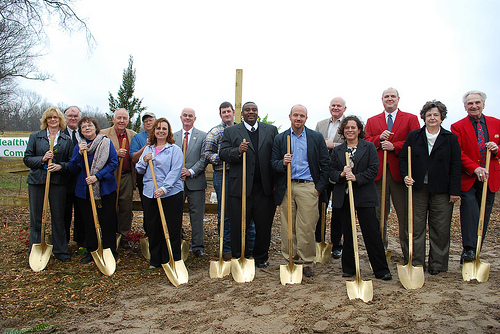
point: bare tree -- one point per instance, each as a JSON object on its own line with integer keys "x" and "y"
{"x": 22, "y": 34}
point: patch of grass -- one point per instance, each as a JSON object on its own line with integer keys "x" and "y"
{"x": 12, "y": 181}
{"x": 33, "y": 329}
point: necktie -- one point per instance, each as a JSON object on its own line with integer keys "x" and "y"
{"x": 253, "y": 129}
{"x": 73, "y": 137}
{"x": 481, "y": 142}
{"x": 389, "y": 122}
{"x": 185, "y": 142}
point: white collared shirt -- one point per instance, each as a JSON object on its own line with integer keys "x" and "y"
{"x": 249, "y": 127}
{"x": 394, "y": 114}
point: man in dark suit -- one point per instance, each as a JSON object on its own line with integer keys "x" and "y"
{"x": 309, "y": 168}
{"x": 476, "y": 134}
{"x": 259, "y": 180}
{"x": 73, "y": 115}
{"x": 388, "y": 131}
{"x": 329, "y": 129}
{"x": 192, "y": 142}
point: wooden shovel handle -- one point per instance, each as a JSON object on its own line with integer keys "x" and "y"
{"x": 482, "y": 210}
{"x": 162, "y": 214}
{"x": 92, "y": 202}
{"x": 289, "y": 203}
{"x": 382, "y": 197}
{"x": 410, "y": 211}
{"x": 46, "y": 195}
{"x": 353, "y": 223}
{"x": 244, "y": 203}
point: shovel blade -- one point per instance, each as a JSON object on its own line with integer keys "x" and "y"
{"x": 359, "y": 289}
{"x": 118, "y": 239}
{"x": 39, "y": 256}
{"x": 219, "y": 269}
{"x": 176, "y": 272}
{"x": 243, "y": 270}
{"x": 323, "y": 252}
{"x": 105, "y": 261}
{"x": 477, "y": 270}
{"x": 184, "y": 250}
{"x": 412, "y": 277}
{"x": 290, "y": 274}
{"x": 145, "y": 248}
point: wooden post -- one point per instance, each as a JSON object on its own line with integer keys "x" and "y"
{"x": 238, "y": 95}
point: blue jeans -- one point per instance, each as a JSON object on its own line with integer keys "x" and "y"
{"x": 217, "y": 180}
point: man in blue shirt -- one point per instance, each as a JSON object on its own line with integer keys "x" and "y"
{"x": 139, "y": 142}
{"x": 309, "y": 168}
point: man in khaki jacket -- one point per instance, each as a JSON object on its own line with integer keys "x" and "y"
{"x": 125, "y": 197}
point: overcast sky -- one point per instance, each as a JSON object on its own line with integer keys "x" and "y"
{"x": 186, "y": 54}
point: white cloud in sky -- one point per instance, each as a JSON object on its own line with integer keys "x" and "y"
{"x": 186, "y": 53}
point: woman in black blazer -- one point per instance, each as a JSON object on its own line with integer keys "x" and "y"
{"x": 436, "y": 168}
{"x": 36, "y": 158}
{"x": 361, "y": 170}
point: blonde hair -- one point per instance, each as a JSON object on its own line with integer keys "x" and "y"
{"x": 48, "y": 113}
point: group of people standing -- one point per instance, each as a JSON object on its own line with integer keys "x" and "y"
{"x": 446, "y": 166}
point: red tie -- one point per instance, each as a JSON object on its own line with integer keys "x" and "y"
{"x": 185, "y": 142}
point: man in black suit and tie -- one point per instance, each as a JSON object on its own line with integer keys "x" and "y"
{"x": 309, "y": 168}
{"x": 73, "y": 115}
{"x": 259, "y": 180}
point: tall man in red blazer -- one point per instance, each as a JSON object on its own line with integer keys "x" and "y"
{"x": 476, "y": 133}
{"x": 388, "y": 131}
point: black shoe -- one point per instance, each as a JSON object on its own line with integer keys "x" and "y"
{"x": 261, "y": 264}
{"x": 124, "y": 242}
{"x": 468, "y": 255}
{"x": 434, "y": 272}
{"x": 308, "y": 271}
{"x": 336, "y": 253}
{"x": 87, "y": 259}
{"x": 199, "y": 253}
{"x": 347, "y": 275}
{"x": 386, "y": 277}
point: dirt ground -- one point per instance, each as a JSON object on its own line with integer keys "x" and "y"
{"x": 76, "y": 298}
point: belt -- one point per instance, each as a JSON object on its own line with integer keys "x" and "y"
{"x": 301, "y": 181}
{"x": 126, "y": 171}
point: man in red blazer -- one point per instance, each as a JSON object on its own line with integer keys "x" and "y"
{"x": 476, "y": 133}
{"x": 388, "y": 131}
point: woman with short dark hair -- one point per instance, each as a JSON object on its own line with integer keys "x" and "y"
{"x": 103, "y": 161}
{"x": 436, "y": 171}
{"x": 361, "y": 170}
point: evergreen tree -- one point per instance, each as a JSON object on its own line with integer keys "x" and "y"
{"x": 126, "y": 99}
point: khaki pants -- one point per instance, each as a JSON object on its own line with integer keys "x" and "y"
{"x": 304, "y": 218}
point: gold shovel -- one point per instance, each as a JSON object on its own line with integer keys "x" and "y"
{"x": 323, "y": 250}
{"x": 103, "y": 258}
{"x": 476, "y": 269}
{"x": 243, "y": 270}
{"x": 184, "y": 243}
{"x": 382, "y": 205}
{"x": 221, "y": 268}
{"x": 145, "y": 248}
{"x": 412, "y": 277}
{"x": 358, "y": 288}
{"x": 290, "y": 273}
{"x": 118, "y": 181}
{"x": 176, "y": 270}
{"x": 40, "y": 253}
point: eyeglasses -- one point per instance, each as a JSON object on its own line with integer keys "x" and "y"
{"x": 188, "y": 115}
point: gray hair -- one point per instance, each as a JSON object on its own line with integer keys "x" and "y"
{"x": 385, "y": 90}
{"x": 483, "y": 95}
